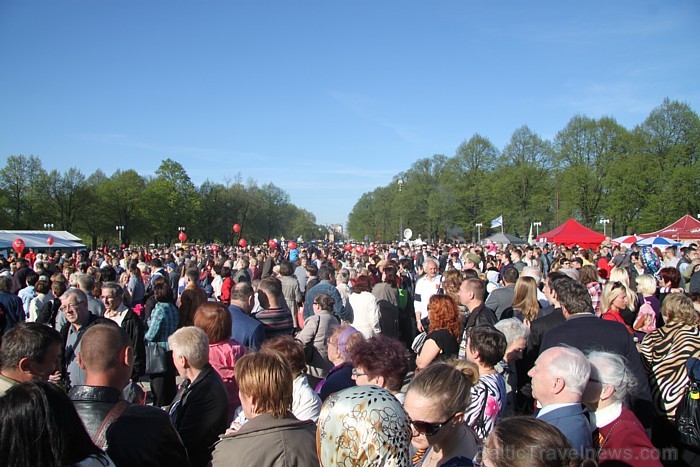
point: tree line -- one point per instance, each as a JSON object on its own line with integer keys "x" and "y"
{"x": 641, "y": 180}
{"x": 151, "y": 209}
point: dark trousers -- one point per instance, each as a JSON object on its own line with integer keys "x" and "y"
{"x": 163, "y": 386}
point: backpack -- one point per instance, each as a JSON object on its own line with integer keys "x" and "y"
{"x": 646, "y": 318}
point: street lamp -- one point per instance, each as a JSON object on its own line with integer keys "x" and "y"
{"x": 48, "y": 226}
{"x": 604, "y": 222}
{"x": 478, "y": 228}
{"x": 120, "y": 229}
{"x": 537, "y": 228}
{"x": 400, "y": 183}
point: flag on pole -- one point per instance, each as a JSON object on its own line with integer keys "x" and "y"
{"x": 529, "y": 237}
{"x": 497, "y": 222}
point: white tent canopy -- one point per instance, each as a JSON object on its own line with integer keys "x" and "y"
{"x": 37, "y": 239}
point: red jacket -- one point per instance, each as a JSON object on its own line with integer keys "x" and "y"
{"x": 624, "y": 442}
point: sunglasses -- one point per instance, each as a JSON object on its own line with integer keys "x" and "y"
{"x": 429, "y": 429}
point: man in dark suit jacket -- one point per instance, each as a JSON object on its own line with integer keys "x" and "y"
{"x": 559, "y": 378}
{"x": 502, "y": 298}
{"x": 200, "y": 409}
{"x": 538, "y": 328}
{"x": 584, "y": 331}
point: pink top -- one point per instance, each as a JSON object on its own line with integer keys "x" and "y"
{"x": 223, "y": 357}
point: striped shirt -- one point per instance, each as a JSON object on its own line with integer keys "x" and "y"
{"x": 277, "y": 321}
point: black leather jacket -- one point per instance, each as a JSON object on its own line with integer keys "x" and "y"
{"x": 141, "y": 436}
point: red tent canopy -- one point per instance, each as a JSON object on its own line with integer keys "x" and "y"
{"x": 572, "y": 233}
{"x": 685, "y": 228}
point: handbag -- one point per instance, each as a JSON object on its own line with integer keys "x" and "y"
{"x": 688, "y": 411}
{"x": 309, "y": 349}
{"x": 156, "y": 356}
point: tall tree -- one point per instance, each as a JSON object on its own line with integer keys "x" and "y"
{"x": 20, "y": 180}
{"x": 67, "y": 195}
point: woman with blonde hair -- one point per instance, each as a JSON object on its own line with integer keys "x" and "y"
{"x": 615, "y": 302}
{"x": 525, "y": 304}
{"x": 436, "y": 401}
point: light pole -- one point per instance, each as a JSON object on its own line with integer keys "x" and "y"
{"x": 478, "y": 229}
{"x": 537, "y": 228}
{"x": 604, "y": 222}
{"x": 400, "y": 183}
{"x": 120, "y": 229}
{"x": 48, "y": 226}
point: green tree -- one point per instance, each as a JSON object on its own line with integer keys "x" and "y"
{"x": 585, "y": 151}
{"x": 20, "y": 181}
{"x": 521, "y": 189}
{"x": 67, "y": 196}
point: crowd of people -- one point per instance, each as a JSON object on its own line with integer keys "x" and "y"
{"x": 394, "y": 354}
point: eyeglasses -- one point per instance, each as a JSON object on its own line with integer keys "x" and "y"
{"x": 617, "y": 285}
{"x": 356, "y": 373}
{"x": 429, "y": 429}
{"x": 70, "y": 306}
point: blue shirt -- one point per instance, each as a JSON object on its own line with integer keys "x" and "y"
{"x": 246, "y": 330}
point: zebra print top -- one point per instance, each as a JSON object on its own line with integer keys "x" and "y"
{"x": 664, "y": 353}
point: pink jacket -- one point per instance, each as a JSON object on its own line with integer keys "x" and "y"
{"x": 223, "y": 357}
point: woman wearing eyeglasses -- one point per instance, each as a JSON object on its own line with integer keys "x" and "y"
{"x": 435, "y": 403}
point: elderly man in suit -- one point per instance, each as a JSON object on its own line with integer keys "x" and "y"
{"x": 559, "y": 378}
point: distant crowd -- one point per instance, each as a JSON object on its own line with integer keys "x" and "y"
{"x": 380, "y": 354}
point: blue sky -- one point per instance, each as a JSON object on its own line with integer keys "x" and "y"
{"x": 326, "y": 99}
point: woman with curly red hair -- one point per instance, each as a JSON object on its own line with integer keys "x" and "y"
{"x": 442, "y": 341}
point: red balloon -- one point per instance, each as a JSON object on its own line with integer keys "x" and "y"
{"x": 272, "y": 243}
{"x": 18, "y": 245}
{"x": 236, "y": 228}
{"x": 50, "y": 241}
{"x": 359, "y": 249}
{"x": 348, "y": 247}
{"x": 182, "y": 237}
{"x": 371, "y": 249}
{"x": 242, "y": 242}
{"x": 292, "y": 245}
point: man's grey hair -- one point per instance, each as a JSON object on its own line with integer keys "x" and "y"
{"x": 77, "y": 294}
{"x": 611, "y": 369}
{"x": 192, "y": 343}
{"x": 532, "y": 271}
{"x": 572, "y": 366}
{"x": 513, "y": 329}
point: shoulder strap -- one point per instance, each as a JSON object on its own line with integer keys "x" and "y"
{"x": 100, "y": 438}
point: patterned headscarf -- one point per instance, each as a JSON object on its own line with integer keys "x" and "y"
{"x": 363, "y": 426}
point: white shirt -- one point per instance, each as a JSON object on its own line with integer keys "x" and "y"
{"x": 426, "y": 288}
{"x": 306, "y": 404}
{"x": 118, "y": 315}
{"x": 604, "y": 417}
